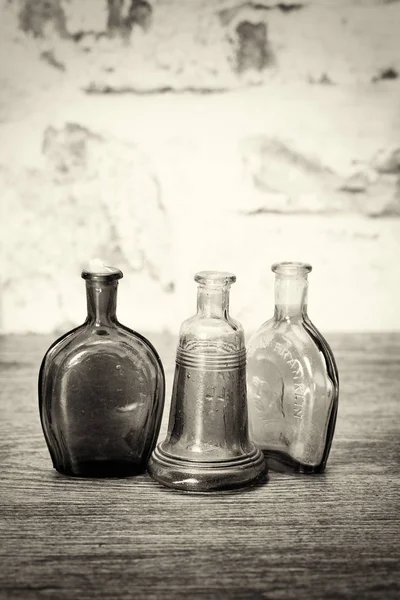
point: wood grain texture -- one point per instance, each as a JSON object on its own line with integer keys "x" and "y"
{"x": 312, "y": 537}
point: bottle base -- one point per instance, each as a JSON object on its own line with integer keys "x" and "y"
{"x": 283, "y": 463}
{"x": 101, "y": 469}
{"x": 203, "y": 477}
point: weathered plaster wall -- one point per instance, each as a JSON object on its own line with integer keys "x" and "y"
{"x": 191, "y": 135}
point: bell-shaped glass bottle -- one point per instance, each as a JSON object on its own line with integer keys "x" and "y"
{"x": 101, "y": 390}
{"x": 207, "y": 447}
{"x": 293, "y": 384}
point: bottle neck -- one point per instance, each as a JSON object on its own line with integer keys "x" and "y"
{"x": 290, "y": 297}
{"x": 213, "y": 301}
{"x": 101, "y": 299}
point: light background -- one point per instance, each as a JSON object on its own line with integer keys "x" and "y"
{"x": 173, "y": 148}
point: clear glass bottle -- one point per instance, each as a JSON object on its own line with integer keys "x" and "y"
{"x": 101, "y": 390}
{"x": 207, "y": 447}
{"x": 292, "y": 380}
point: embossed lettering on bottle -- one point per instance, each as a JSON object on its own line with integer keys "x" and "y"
{"x": 292, "y": 379}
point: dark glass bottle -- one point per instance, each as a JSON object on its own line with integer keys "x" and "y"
{"x": 207, "y": 447}
{"x": 293, "y": 382}
{"x": 101, "y": 390}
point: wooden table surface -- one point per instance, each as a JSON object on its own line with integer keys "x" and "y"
{"x": 335, "y": 535}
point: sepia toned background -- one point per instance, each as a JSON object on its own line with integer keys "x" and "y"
{"x": 172, "y": 136}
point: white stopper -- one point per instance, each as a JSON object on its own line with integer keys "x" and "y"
{"x": 96, "y": 265}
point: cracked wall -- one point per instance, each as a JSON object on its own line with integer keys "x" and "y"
{"x": 169, "y": 137}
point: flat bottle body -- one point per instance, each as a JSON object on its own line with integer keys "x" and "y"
{"x": 292, "y": 394}
{"x": 101, "y": 395}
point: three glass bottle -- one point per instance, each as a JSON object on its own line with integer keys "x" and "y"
{"x": 101, "y": 391}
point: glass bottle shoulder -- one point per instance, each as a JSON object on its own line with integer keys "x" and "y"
{"x": 289, "y": 341}
{"x": 217, "y": 332}
{"x": 87, "y": 341}
{"x": 63, "y": 343}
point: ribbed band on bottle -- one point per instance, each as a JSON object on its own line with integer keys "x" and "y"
{"x": 211, "y": 362}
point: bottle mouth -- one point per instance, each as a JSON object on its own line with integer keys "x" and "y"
{"x": 291, "y": 269}
{"x": 107, "y": 274}
{"x": 215, "y": 278}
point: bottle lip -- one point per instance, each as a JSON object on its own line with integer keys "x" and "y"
{"x": 215, "y": 278}
{"x": 107, "y": 275}
{"x": 293, "y": 268}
